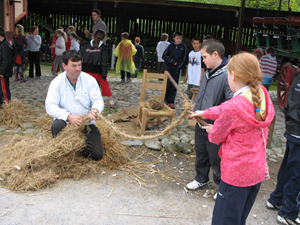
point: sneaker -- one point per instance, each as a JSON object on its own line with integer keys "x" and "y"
{"x": 271, "y": 206}
{"x": 171, "y": 106}
{"x": 113, "y": 103}
{"x": 128, "y": 79}
{"x": 123, "y": 81}
{"x": 215, "y": 196}
{"x": 286, "y": 221}
{"x": 195, "y": 185}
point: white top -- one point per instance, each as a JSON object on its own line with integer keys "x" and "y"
{"x": 35, "y": 43}
{"x": 194, "y": 68}
{"x": 63, "y": 100}
{"x": 160, "y": 48}
{"x": 74, "y": 44}
{"x": 61, "y": 42}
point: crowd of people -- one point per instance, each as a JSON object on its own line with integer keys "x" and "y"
{"x": 232, "y": 109}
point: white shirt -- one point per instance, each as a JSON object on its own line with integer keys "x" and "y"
{"x": 160, "y": 48}
{"x": 74, "y": 44}
{"x": 61, "y": 42}
{"x": 63, "y": 100}
{"x": 194, "y": 68}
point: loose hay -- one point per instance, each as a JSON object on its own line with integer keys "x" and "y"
{"x": 14, "y": 113}
{"x": 156, "y": 102}
{"x": 44, "y": 160}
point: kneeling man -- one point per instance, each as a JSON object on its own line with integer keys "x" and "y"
{"x": 74, "y": 93}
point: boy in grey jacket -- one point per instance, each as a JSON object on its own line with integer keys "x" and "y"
{"x": 213, "y": 91}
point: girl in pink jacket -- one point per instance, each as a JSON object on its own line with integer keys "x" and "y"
{"x": 241, "y": 125}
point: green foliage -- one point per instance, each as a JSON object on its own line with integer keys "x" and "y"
{"x": 257, "y": 4}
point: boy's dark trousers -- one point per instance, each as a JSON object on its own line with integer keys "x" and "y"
{"x": 287, "y": 192}
{"x": 5, "y": 94}
{"x": 206, "y": 157}
{"x": 123, "y": 74}
{"x": 171, "y": 90}
{"x": 94, "y": 147}
{"x": 233, "y": 204}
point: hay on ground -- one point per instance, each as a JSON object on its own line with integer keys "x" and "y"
{"x": 14, "y": 113}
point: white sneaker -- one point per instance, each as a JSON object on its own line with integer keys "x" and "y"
{"x": 215, "y": 196}
{"x": 286, "y": 221}
{"x": 195, "y": 185}
{"x": 271, "y": 206}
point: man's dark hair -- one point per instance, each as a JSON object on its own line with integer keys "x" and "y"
{"x": 177, "y": 33}
{"x": 213, "y": 45}
{"x": 74, "y": 55}
{"x": 125, "y": 35}
{"x": 97, "y": 11}
{"x": 196, "y": 39}
{"x": 270, "y": 50}
{"x": 207, "y": 37}
{"x": 2, "y": 32}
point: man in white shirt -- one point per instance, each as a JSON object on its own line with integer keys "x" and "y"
{"x": 74, "y": 93}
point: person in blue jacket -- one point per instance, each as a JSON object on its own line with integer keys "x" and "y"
{"x": 175, "y": 57}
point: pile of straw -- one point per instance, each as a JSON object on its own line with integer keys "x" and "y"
{"x": 14, "y": 113}
{"x": 29, "y": 163}
{"x": 156, "y": 102}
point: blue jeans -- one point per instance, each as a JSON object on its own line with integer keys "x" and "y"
{"x": 20, "y": 68}
{"x": 287, "y": 192}
{"x": 233, "y": 204}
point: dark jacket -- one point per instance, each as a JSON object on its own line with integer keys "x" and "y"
{"x": 6, "y": 59}
{"x": 19, "y": 42}
{"x": 214, "y": 88}
{"x": 292, "y": 109}
{"x": 175, "y": 54}
{"x": 139, "y": 55}
{"x": 95, "y": 60}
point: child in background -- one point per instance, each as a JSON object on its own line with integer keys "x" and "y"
{"x": 268, "y": 64}
{"x": 95, "y": 62}
{"x": 60, "y": 47}
{"x": 241, "y": 126}
{"x": 213, "y": 91}
{"x": 139, "y": 56}
{"x": 287, "y": 190}
{"x": 174, "y": 56}
{"x": 68, "y": 42}
{"x": 160, "y": 48}
{"x": 74, "y": 41}
{"x": 195, "y": 68}
{"x": 125, "y": 52}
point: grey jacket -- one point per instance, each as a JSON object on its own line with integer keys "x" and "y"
{"x": 213, "y": 91}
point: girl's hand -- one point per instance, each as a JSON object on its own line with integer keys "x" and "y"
{"x": 27, "y": 34}
{"x": 32, "y": 36}
{"x": 208, "y": 127}
{"x": 52, "y": 46}
{"x": 198, "y": 113}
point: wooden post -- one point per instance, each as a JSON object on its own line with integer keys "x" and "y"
{"x": 240, "y": 30}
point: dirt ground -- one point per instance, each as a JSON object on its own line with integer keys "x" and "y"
{"x": 117, "y": 197}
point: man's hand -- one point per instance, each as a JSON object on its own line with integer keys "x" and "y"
{"x": 185, "y": 79}
{"x": 1, "y": 75}
{"x": 75, "y": 120}
{"x": 196, "y": 114}
{"x": 93, "y": 114}
{"x": 86, "y": 32}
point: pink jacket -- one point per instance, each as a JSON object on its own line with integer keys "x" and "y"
{"x": 243, "y": 156}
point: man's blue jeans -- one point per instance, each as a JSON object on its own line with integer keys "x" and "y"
{"x": 287, "y": 192}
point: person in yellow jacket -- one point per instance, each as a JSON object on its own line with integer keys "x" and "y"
{"x": 125, "y": 52}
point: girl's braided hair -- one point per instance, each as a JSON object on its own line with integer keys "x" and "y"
{"x": 246, "y": 68}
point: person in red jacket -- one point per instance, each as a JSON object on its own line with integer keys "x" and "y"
{"x": 241, "y": 126}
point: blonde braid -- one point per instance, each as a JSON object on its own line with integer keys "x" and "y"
{"x": 256, "y": 98}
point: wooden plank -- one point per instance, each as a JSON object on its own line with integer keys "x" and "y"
{"x": 154, "y": 86}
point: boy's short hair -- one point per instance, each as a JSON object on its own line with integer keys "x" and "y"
{"x": 196, "y": 39}
{"x": 97, "y": 11}
{"x": 213, "y": 45}
{"x": 207, "y": 37}
{"x": 270, "y": 50}
{"x": 2, "y": 32}
{"x": 74, "y": 55}
{"x": 137, "y": 40}
{"x": 125, "y": 35}
{"x": 164, "y": 37}
{"x": 177, "y": 33}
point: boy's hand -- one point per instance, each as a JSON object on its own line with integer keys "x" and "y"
{"x": 185, "y": 79}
